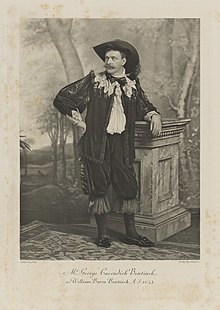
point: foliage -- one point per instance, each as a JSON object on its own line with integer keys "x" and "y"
{"x": 71, "y": 187}
{"x": 165, "y": 46}
{"x": 35, "y": 33}
{"x": 24, "y": 146}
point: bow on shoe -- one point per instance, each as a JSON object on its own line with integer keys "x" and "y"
{"x": 141, "y": 241}
{"x": 104, "y": 241}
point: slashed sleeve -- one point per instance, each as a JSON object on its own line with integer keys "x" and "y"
{"x": 144, "y": 106}
{"x": 74, "y": 96}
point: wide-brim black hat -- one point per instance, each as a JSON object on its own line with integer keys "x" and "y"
{"x": 122, "y": 46}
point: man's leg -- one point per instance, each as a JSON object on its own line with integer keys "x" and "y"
{"x": 125, "y": 185}
{"x": 95, "y": 181}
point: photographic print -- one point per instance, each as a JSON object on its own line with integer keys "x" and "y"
{"x": 109, "y": 139}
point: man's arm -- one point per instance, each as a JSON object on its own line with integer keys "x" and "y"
{"x": 147, "y": 111}
{"x": 75, "y": 96}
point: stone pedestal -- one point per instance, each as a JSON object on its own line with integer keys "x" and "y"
{"x": 156, "y": 167}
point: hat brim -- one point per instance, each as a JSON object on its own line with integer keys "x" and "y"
{"x": 132, "y": 56}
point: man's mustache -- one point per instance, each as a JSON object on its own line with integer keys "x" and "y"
{"x": 109, "y": 67}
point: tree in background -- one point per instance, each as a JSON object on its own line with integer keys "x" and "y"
{"x": 187, "y": 101}
{"x": 38, "y": 34}
{"x": 48, "y": 121}
{"x": 65, "y": 128}
{"x": 24, "y": 148}
{"x": 169, "y": 50}
{"x": 175, "y": 81}
{"x": 60, "y": 32}
{"x": 172, "y": 83}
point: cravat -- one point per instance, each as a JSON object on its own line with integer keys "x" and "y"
{"x": 121, "y": 81}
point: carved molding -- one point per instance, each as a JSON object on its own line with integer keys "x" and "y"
{"x": 170, "y": 128}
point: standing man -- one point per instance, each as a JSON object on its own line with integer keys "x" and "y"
{"x": 114, "y": 100}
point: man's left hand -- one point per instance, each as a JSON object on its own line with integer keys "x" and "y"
{"x": 156, "y": 125}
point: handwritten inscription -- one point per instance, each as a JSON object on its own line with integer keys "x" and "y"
{"x": 109, "y": 276}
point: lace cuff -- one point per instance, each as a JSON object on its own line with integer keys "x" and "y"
{"x": 149, "y": 115}
{"x": 76, "y": 117}
{"x": 99, "y": 205}
{"x": 127, "y": 206}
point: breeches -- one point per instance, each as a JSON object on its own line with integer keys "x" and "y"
{"x": 113, "y": 171}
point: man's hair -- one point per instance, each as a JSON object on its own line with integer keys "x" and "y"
{"x": 134, "y": 74}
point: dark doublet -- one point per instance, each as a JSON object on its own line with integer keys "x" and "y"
{"x": 84, "y": 94}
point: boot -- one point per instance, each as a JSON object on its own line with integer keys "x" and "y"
{"x": 103, "y": 239}
{"x": 132, "y": 236}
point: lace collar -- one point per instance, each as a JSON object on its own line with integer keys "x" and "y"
{"x": 101, "y": 81}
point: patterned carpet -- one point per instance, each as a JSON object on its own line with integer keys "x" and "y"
{"x": 41, "y": 241}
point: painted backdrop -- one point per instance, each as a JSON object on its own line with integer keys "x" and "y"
{"x": 55, "y": 52}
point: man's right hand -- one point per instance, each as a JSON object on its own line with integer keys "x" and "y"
{"x": 76, "y": 119}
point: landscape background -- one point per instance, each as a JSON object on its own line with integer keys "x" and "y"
{"x": 55, "y": 52}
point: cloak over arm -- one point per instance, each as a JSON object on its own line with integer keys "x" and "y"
{"x": 75, "y": 95}
{"x": 144, "y": 106}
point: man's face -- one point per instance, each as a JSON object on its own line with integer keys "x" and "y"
{"x": 114, "y": 62}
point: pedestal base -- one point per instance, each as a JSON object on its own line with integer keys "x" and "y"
{"x": 158, "y": 228}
